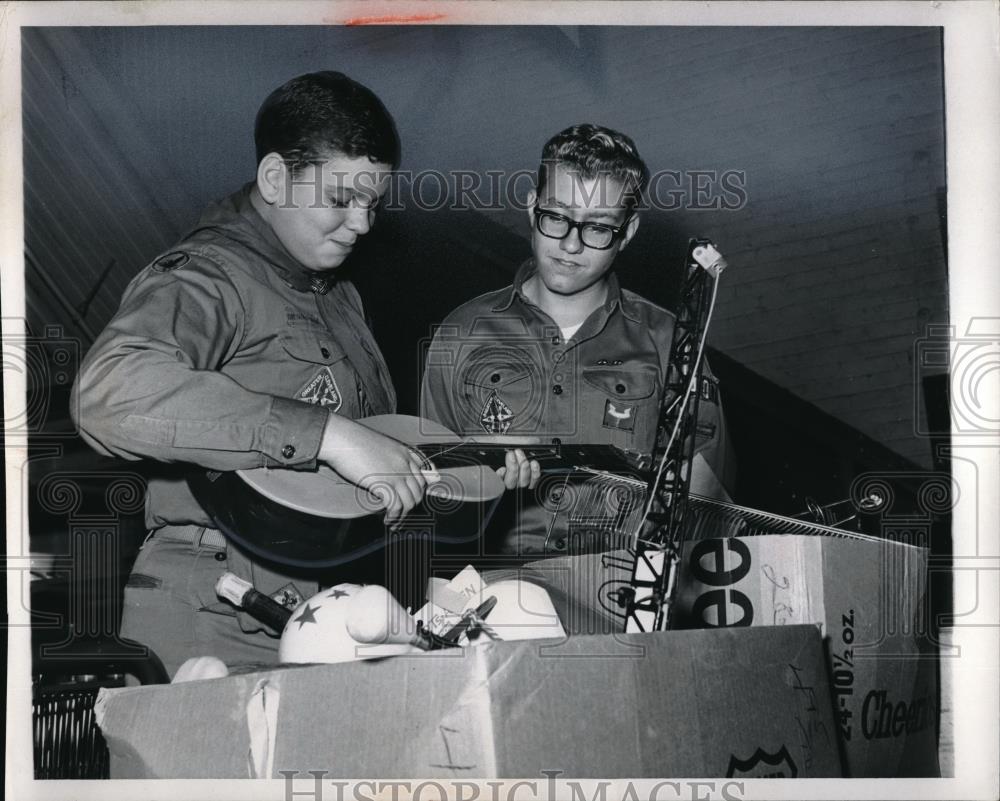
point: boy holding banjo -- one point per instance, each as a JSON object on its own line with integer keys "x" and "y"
{"x": 241, "y": 348}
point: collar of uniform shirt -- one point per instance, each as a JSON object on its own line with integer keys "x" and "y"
{"x": 527, "y": 269}
{"x": 291, "y": 272}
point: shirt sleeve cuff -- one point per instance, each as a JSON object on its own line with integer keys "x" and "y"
{"x": 292, "y": 434}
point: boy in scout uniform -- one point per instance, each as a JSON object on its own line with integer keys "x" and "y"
{"x": 240, "y": 348}
{"x": 565, "y": 354}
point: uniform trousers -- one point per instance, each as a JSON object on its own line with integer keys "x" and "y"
{"x": 170, "y": 603}
{"x": 170, "y": 606}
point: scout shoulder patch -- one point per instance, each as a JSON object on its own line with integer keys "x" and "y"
{"x": 171, "y": 261}
{"x": 322, "y": 390}
{"x": 619, "y": 415}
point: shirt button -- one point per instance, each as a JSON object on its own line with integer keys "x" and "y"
{"x": 558, "y": 376}
{"x": 325, "y": 352}
{"x": 220, "y": 556}
{"x": 556, "y": 341}
{"x": 288, "y": 451}
{"x": 557, "y": 389}
{"x": 558, "y": 356}
{"x": 619, "y": 388}
{"x": 560, "y": 544}
{"x": 556, "y": 441}
{"x": 494, "y": 378}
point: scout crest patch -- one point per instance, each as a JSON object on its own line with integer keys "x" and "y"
{"x": 322, "y": 390}
{"x": 491, "y": 369}
{"x": 496, "y": 416}
{"x": 619, "y": 415}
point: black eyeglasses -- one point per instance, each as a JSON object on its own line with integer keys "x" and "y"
{"x": 594, "y": 235}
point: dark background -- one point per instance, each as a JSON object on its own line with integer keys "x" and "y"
{"x": 838, "y": 259}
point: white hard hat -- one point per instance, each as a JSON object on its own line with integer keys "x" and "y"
{"x": 523, "y": 611}
{"x": 320, "y": 629}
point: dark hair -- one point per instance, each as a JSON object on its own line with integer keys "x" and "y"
{"x": 594, "y": 150}
{"x": 313, "y": 116}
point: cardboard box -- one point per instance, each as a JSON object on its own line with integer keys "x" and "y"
{"x": 867, "y": 594}
{"x": 735, "y": 702}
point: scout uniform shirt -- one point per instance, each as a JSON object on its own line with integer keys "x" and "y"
{"x": 499, "y": 365}
{"x": 227, "y": 354}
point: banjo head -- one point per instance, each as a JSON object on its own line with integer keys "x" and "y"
{"x": 324, "y": 493}
{"x": 319, "y": 492}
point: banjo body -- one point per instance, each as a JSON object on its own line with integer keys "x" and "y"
{"x": 315, "y": 519}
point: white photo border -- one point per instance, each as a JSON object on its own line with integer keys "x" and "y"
{"x": 972, "y": 105}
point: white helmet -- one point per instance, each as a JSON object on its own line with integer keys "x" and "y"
{"x": 523, "y": 611}
{"x": 350, "y": 622}
{"x": 321, "y": 628}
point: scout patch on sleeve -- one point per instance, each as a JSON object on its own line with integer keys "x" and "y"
{"x": 171, "y": 261}
{"x": 619, "y": 415}
{"x": 496, "y": 416}
{"x": 322, "y": 390}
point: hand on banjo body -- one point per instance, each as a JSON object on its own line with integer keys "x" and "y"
{"x": 386, "y": 467}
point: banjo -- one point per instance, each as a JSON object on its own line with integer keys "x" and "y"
{"x": 314, "y": 518}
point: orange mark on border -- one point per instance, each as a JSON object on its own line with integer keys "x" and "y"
{"x": 394, "y": 19}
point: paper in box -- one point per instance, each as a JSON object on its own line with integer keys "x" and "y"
{"x": 867, "y": 594}
{"x": 737, "y": 702}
